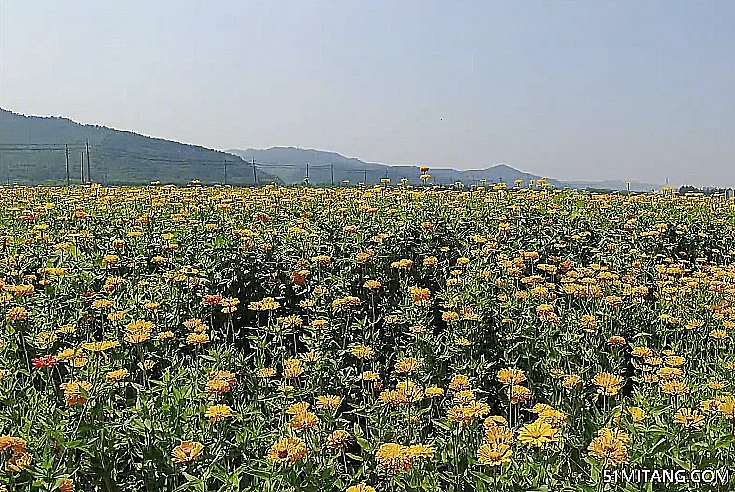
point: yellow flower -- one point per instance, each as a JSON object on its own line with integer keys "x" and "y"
{"x": 101, "y": 346}
{"x": 434, "y": 392}
{"x": 421, "y": 451}
{"x": 420, "y": 295}
{"x": 462, "y": 415}
{"x": 498, "y": 434}
{"x": 197, "y": 338}
{"x": 369, "y": 376}
{"x": 519, "y": 394}
{"x": 608, "y": 384}
{"x": 637, "y": 414}
{"x": 220, "y": 382}
{"x": 572, "y": 381}
{"x": 187, "y": 451}
{"x": 74, "y": 392}
{"x": 361, "y": 487}
{"x": 554, "y": 418}
{"x": 459, "y": 382}
{"x": 338, "y": 439}
{"x": 406, "y": 392}
{"x": 406, "y": 365}
{"x": 217, "y": 413}
{"x": 67, "y": 329}
{"x": 67, "y": 485}
{"x": 727, "y": 407}
{"x": 288, "y": 449}
{"x": 403, "y": 263}
{"x": 266, "y": 372}
{"x": 642, "y": 352}
{"x": 616, "y": 341}
{"x": 18, "y": 462}
{"x": 537, "y": 433}
{"x": 46, "y": 339}
{"x": 101, "y": 304}
{"x": 464, "y": 397}
{"x": 394, "y": 458}
{"x": 610, "y": 447}
{"x": 718, "y": 334}
{"x": 266, "y": 304}
{"x": 328, "y": 402}
{"x": 345, "y": 303}
{"x": 690, "y": 419}
{"x": 511, "y": 376}
{"x": 17, "y": 314}
{"x": 110, "y": 260}
{"x": 136, "y": 338}
{"x": 674, "y": 361}
{"x": 494, "y": 454}
{"x": 303, "y": 421}
{"x": 16, "y": 444}
{"x": 116, "y": 376}
{"x": 673, "y": 388}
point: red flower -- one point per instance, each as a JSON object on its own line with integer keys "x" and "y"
{"x": 298, "y": 279}
{"x": 28, "y": 218}
{"x": 212, "y": 300}
{"x": 45, "y": 361}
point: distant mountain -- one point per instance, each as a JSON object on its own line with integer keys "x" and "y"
{"x": 613, "y": 185}
{"x": 289, "y": 164}
{"x": 32, "y": 152}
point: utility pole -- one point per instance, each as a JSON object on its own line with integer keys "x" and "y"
{"x": 364, "y": 178}
{"x": 66, "y": 151}
{"x": 89, "y": 174}
{"x": 81, "y": 166}
{"x": 307, "y": 174}
{"x": 225, "y": 160}
{"x": 255, "y": 174}
{"x": 331, "y": 168}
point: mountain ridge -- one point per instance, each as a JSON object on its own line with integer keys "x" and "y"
{"x": 32, "y": 151}
{"x": 289, "y": 164}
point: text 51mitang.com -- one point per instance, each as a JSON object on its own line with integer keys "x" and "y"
{"x": 643, "y": 475}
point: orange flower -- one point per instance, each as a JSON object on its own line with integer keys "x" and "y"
{"x": 187, "y": 451}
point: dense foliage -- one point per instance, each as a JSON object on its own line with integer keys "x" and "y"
{"x": 161, "y": 338}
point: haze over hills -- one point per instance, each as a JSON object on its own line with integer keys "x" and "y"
{"x": 32, "y": 151}
{"x": 289, "y": 164}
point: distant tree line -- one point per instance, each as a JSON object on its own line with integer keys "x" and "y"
{"x": 707, "y": 190}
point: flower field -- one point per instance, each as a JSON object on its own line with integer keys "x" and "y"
{"x": 309, "y": 339}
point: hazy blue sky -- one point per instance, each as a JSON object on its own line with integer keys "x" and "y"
{"x": 634, "y": 90}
